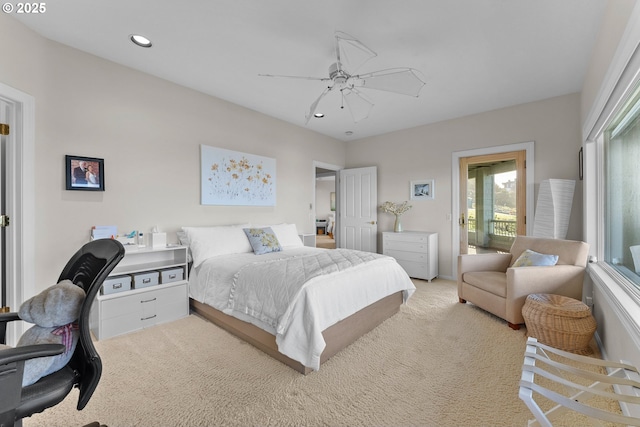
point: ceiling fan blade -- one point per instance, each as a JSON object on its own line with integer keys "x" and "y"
{"x": 322, "y": 79}
{"x": 359, "y": 105}
{"x": 352, "y": 54}
{"x": 405, "y": 81}
{"x": 312, "y": 108}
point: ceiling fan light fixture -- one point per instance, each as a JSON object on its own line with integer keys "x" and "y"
{"x": 141, "y": 41}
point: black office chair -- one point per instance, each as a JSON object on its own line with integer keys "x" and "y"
{"x": 87, "y": 268}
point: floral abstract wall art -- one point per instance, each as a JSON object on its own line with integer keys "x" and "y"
{"x": 236, "y": 179}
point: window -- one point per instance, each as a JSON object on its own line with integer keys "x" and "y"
{"x": 622, "y": 191}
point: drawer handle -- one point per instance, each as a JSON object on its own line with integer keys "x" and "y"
{"x": 149, "y": 300}
{"x": 173, "y": 276}
{"x": 146, "y": 280}
{"x": 147, "y": 318}
{"x": 117, "y": 286}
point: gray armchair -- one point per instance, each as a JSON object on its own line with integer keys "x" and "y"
{"x": 490, "y": 282}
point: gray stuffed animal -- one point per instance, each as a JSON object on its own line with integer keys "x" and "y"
{"x": 54, "y": 312}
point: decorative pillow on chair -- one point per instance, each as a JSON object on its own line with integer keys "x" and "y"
{"x": 262, "y": 240}
{"x": 54, "y": 312}
{"x": 530, "y": 258}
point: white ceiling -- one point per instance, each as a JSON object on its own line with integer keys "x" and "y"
{"x": 475, "y": 55}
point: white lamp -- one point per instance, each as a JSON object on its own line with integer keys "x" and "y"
{"x": 553, "y": 209}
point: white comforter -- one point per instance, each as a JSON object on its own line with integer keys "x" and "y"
{"x": 320, "y": 301}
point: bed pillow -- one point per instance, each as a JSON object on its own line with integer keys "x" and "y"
{"x": 207, "y": 242}
{"x": 287, "y": 235}
{"x": 262, "y": 240}
{"x": 530, "y": 258}
{"x": 184, "y": 241}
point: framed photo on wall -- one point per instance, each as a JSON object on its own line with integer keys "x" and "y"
{"x": 84, "y": 173}
{"x": 422, "y": 190}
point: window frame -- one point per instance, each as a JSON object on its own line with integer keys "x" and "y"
{"x": 618, "y": 85}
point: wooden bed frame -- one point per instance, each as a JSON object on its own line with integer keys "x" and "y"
{"x": 337, "y": 336}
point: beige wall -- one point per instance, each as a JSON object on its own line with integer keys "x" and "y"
{"x": 149, "y": 132}
{"x": 426, "y": 152}
{"x": 614, "y": 23}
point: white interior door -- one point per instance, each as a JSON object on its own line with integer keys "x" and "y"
{"x": 18, "y": 110}
{"x": 4, "y": 140}
{"x": 358, "y": 209}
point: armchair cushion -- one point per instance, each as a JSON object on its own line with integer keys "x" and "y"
{"x": 53, "y": 311}
{"x": 530, "y": 258}
{"x": 494, "y": 282}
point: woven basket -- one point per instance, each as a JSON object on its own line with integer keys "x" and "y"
{"x": 561, "y": 322}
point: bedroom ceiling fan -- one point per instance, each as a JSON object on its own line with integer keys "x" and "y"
{"x": 351, "y": 54}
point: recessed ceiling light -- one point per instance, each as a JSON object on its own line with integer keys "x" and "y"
{"x": 318, "y": 115}
{"x": 141, "y": 41}
{"x": 348, "y": 133}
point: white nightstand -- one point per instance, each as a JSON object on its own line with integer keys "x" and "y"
{"x": 321, "y": 227}
{"x": 127, "y": 311}
{"x": 308, "y": 239}
{"x": 415, "y": 251}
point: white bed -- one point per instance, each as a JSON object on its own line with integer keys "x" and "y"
{"x": 334, "y": 286}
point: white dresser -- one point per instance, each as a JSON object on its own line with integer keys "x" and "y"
{"x": 121, "y": 312}
{"x": 415, "y": 251}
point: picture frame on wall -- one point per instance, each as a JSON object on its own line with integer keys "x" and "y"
{"x": 84, "y": 173}
{"x": 234, "y": 178}
{"x": 422, "y": 189}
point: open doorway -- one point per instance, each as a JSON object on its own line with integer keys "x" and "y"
{"x": 460, "y": 201}
{"x": 325, "y": 208}
{"x": 491, "y": 206}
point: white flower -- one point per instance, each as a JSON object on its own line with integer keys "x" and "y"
{"x": 396, "y": 209}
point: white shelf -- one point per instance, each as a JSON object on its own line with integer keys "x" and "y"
{"x": 122, "y": 312}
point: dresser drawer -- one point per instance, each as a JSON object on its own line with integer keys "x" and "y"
{"x": 407, "y": 256}
{"x": 418, "y": 270}
{"x": 399, "y": 245}
{"x": 415, "y": 251}
{"x": 406, "y": 237}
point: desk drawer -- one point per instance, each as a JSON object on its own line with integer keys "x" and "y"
{"x": 139, "y": 303}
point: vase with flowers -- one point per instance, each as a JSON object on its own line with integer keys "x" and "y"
{"x": 397, "y": 209}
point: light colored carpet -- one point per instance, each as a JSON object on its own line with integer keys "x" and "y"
{"x": 436, "y": 363}
{"x": 324, "y": 241}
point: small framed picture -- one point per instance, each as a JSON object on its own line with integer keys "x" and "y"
{"x": 422, "y": 190}
{"x": 84, "y": 173}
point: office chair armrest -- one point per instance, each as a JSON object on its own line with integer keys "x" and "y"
{"x": 4, "y": 319}
{"x": 17, "y": 354}
{"x": 8, "y": 317}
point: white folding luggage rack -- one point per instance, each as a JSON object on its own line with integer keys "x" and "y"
{"x": 623, "y": 377}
